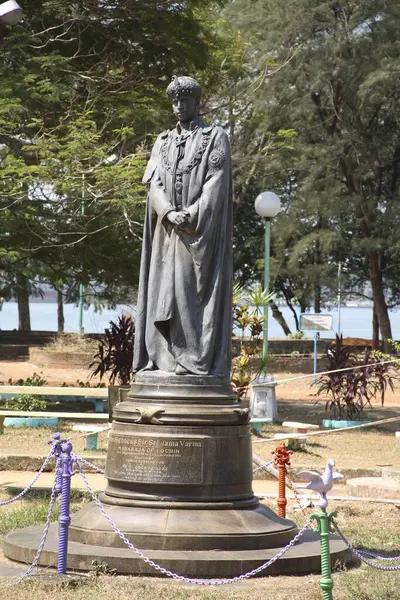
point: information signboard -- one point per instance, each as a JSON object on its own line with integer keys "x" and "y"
{"x": 315, "y": 322}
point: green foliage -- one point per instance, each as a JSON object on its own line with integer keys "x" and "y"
{"x": 352, "y": 384}
{"x": 102, "y": 568}
{"x": 26, "y": 402}
{"x": 36, "y": 379}
{"x": 33, "y": 512}
{"x": 247, "y": 318}
{"x": 328, "y": 74}
{"x": 115, "y": 353}
{"x": 297, "y": 335}
{"x": 82, "y": 94}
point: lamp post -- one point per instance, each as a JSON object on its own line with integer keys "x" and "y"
{"x": 10, "y": 12}
{"x": 267, "y": 205}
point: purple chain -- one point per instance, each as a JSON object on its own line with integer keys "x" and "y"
{"x": 26, "y": 490}
{"x": 88, "y": 464}
{"x": 206, "y": 582}
{"x": 361, "y": 555}
{"x": 43, "y": 539}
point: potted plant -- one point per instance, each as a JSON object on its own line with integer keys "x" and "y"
{"x": 114, "y": 357}
{"x": 352, "y": 384}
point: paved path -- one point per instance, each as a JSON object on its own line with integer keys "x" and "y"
{"x": 21, "y": 479}
{"x": 261, "y": 487}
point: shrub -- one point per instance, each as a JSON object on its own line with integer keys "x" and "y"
{"x": 114, "y": 356}
{"x": 252, "y": 320}
{"x": 297, "y": 335}
{"x": 351, "y": 384}
{"x": 26, "y": 402}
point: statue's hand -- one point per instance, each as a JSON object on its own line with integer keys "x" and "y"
{"x": 178, "y": 218}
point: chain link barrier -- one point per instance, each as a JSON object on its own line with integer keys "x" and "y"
{"x": 361, "y": 554}
{"x": 377, "y": 556}
{"x": 16, "y": 580}
{"x": 102, "y": 471}
{"x": 30, "y": 486}
{"x": 292, "y": 488}
{"x": 88, "y": 464}
{"x": 263, "y": 466}
{"x": 154, "y": 565}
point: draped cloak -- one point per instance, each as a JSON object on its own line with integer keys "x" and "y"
{"x": 185, "y": 289}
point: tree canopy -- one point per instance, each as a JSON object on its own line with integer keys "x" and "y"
{"x": 82, "y": 95}
{"x": 329, "y": 72}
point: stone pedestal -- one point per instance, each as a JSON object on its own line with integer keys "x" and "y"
{"x": 179, "y": 473}
{"x": 263, "y": 403}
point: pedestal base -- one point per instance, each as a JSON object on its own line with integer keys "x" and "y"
{"x": 179, "y": 486}
{"x": 303, "y": 558}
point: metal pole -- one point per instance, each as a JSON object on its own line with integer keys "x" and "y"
{"x": 339, "y": 296}
{"x": 282, "y": 458}
{"x": 324, "y": 528}
{"x": 315, "y": 355}
{"x": 57, "y": 454}
{"x": 64, "y": 519}
{"x": 81, "y": 289}
{"x": 267, "y": 234}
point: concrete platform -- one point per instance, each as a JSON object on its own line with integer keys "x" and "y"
{"x": 374, "y": 487}
{"x": 387, "y": 486}
{"x": 303, "y": 558}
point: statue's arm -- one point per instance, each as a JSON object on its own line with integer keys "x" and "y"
{"x": 158, "y": 199}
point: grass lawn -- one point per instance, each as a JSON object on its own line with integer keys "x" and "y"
{"x": 367, "y": 448}
{"x": 375, "y": 527}
{"x": 29, "y": 440}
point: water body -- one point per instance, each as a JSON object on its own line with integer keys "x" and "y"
{"x": 355, "y": 321}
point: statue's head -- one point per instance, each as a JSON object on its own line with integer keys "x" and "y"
{"x": 184, "y": 93}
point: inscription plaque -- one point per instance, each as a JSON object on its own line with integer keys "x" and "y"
{"x": 156, "y": 459}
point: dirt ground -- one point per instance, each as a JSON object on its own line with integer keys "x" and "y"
{"x": 54, "y": 376}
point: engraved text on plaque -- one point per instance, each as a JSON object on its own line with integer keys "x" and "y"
{"x": 156, "y": 459}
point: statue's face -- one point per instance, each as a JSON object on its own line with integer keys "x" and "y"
{"x": 185, "y": 107}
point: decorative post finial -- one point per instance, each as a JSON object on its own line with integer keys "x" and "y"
{"x": 282, "y": 458}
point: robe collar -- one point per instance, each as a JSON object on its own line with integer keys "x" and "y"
{"x": 193, "y": 126}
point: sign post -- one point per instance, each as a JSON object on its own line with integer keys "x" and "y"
{"x": 315, "y": 322}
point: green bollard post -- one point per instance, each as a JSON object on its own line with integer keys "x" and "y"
{"x": 324, "y": 528}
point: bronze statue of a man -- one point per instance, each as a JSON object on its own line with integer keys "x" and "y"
{"x": 183, "y": 322}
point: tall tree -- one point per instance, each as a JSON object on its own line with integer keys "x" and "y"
{"x": 82, "y": 92}
{"x": 331, "y": 74}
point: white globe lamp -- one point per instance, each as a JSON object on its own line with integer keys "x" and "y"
{"x": 267, "y": 205}
{"x": 10, "y": 12}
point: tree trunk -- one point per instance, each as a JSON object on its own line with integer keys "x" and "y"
{"x": 24, "y": 317}
{"x": 318, "y": 262}
{"x": 380, "y": 305}
{"x": 303, "y": 306}
{"x": 375, "y": 330}
{"x": 296, "y": 318}
{"x": 317, "y": 299}
{"x": 60, "y": 312}
{"x": 276, "y": 313}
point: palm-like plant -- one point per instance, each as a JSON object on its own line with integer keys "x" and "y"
{"x": 115, "y": 353}
{"x": 351, "y": 384}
